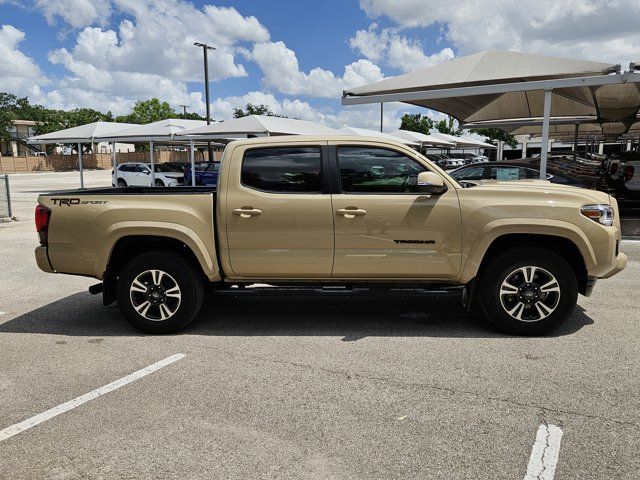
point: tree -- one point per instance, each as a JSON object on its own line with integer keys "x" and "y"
{"x": 148, "y": 111}
{"x": 415, "y": 122}
{"x": 448, "y": 126}
{"x": 496, "y": 134}
{"x": 251, "y": 109}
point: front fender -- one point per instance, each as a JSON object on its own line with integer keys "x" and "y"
{"x": 497, "y": 228}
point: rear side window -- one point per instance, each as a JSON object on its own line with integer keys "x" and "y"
{"x": 377, "y": 170}
{"x": 283, "y": 169}
{"x": 127, "y": 168}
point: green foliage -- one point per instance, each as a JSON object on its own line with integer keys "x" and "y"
{"x": 448, "y": 126}
{"x": 147, "y": 111}
{"x": 416, "y": 123}
{"x": 251, "y": 109}
{"x": 496, "y": 134}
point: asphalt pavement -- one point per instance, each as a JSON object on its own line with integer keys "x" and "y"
{"x": 324, "y": 386}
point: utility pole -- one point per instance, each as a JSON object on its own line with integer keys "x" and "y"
{"x": 184, "y": 111}
{"x": 205, "y": 50}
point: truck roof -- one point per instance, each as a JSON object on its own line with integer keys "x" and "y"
{"x": 317, "y": 138}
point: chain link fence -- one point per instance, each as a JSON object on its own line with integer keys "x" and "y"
{"x": 5, "y": 198}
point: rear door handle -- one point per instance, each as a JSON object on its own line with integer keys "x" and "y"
{"x": 246, "y": 212}
{"x": 351, "y": 212}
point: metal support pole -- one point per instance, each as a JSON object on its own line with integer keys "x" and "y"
{"x": 586, "y": 145}
{"x": 6, "y": 184}
{"x": 80, "y": 165}
{"x": 381, "y": 115}
{"x": 524, "y": 148}
{"x": 544, "y": 145}
{"x": 153, "y": 170}
{"x": 193, "y": 164}
{"x": 114, "y": 161}
{"x": 575, "y": 142}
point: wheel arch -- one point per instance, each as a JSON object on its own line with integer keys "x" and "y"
{"x": 563, "y": 246}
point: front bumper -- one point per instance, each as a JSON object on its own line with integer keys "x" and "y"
{"x": 42, "y": 259}
{"x": 619, "y": 264}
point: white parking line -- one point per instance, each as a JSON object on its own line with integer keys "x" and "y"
{"x": 76, "y": 402}
{"x": 544, "y": 454}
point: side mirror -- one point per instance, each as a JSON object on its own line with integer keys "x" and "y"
{"x": 147, "y": 172}
{"x": 430, "y": 183}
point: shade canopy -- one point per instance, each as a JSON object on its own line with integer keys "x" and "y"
{"x": 463, "y": 142}
{"x": 494, "y": 85}
{"x": 82, "y": 134}
{"x": 259, "y": 125}
{"x": 422, "y": 138}
{"x": 161, "y": 131}
{"x": 365, "y": 132}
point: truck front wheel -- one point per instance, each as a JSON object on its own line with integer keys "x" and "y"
{"x": 159, "y": 292}
{"x": 527, "y": 291}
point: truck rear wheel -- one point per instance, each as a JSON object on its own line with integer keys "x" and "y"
{"x": 527, "y": 291}
{"x": 159, "y": 292}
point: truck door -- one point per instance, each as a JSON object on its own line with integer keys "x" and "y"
{"x": 384, "y": 228}
{"x": 278, "y": 212}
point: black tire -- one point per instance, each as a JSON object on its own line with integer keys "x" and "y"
{"x": 535, "y": 302}
{"x": 122, "y": 182}
{"x": 176, "y": 270}
{"x": 159, "y": 183}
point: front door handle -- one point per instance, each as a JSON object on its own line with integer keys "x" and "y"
{"x": 246, "y": 212}
{"x": 351, "y": 212}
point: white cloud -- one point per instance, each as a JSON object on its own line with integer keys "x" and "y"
{"x": 604, "y": 30}
{"x": 388, "y": 47}
{"x": 281, "y": 72}
{"x": 19, "y": 74}
{"x": 76, "y": 13}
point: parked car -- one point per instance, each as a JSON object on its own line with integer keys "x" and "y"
{"x": 206, "y": 173}
{"x": 521, "y": 170}
{"x": 624, "y": 175}
{"x": 306, "y": 211}
{"x": 177, "y": 166}
{"x": 139, "y": 174}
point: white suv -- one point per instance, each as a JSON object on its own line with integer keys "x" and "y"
{"x": 139, "y": 174}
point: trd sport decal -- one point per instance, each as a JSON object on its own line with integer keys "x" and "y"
{"x": 430, "y": 242}
{"x": 76, "y": 201}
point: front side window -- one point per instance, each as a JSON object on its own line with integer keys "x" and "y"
{"x": 377, "y": 170}
{"x": 283, "y": 169}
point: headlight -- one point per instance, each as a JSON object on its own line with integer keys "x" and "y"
{"x": 599, "y": 213}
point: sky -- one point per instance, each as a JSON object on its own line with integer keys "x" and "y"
{"x": 297, "y": 56}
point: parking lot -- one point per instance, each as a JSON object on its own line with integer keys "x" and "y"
{"x": 307, "y": 386}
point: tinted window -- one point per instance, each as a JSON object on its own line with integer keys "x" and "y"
{"x": 283, "y": 169}
{"x": 213, "y": 167}
{"x": 127, "y": 168}
{"x": 377, "y": 170}
{"x": 142, "y": 168}
{"x": 162, "y": 168}
{"x": 510, "y": 173}
{"x": 471, "y": 173}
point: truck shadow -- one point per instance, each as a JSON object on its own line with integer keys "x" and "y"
{"x": 349, "y": 317}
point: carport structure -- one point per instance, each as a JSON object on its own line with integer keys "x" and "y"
{"x": 499, "y": 85}
{"x": 163, "y": 131}
{"x": 88, "y": 133}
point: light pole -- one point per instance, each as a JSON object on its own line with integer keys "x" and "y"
{"x": 184, "y": 111}
{"x": 205, "y": 50}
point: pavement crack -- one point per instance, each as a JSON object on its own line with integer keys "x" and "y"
{"x": 452, "y": 391}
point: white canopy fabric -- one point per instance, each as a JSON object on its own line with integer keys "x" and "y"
{"x": 82, "y": 134}
{"x": 616, "y": 102}
{"x": 422, "y": 138}
{"x": 259, "y": 125}
{"x": 161, "y": 131}
{"x": 463, "y": 142}
{"x": 365, "y": 132}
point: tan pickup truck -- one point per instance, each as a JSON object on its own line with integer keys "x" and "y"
{"x": 335, "y": 212}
